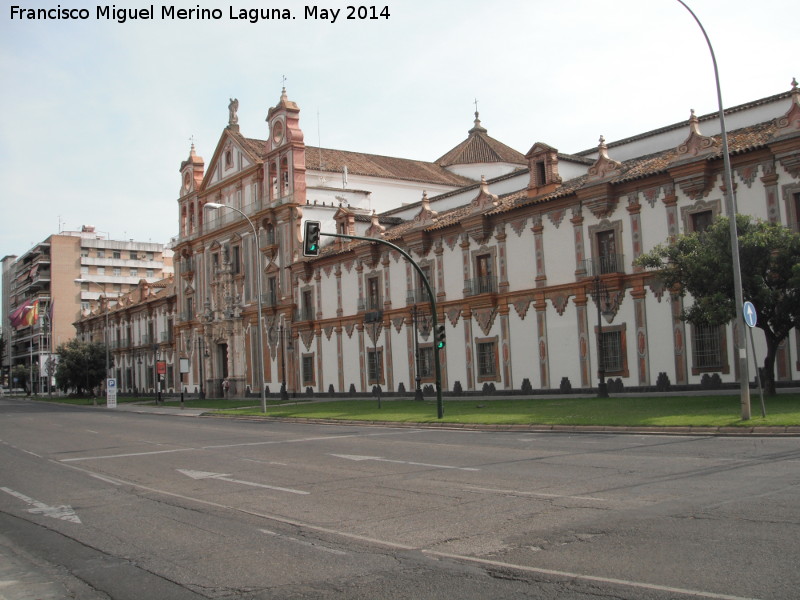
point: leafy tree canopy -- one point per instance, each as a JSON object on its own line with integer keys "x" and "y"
{"x": 700, "y": 264}
{"x": 81, "y": 365}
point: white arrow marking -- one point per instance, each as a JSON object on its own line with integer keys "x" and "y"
{"x": 224, "y": 477}
{"x": 358, "y": 458}
{"x": 65, "y": 513}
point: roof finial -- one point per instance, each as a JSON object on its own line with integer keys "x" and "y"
{"x": 477, "y": 128}
{"x": 283, "y": 86}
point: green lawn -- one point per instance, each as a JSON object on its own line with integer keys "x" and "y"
{"x": 644, "y": 411}
{"x": 684, "y": 411}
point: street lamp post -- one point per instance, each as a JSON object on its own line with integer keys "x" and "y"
{"x": 730, "y": 209}
{"x": 215, "y": 206}
{"x": 600, "y": 298}
{"x": 105, "y": 332}
{"x": 417, "y": 378}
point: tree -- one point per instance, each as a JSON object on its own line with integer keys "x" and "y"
{"x": 81, "y": 365}
{"x": 19, "y": 377}
{"x": 700, "y": 264}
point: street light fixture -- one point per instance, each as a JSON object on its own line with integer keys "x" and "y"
{"x": 215, "y": 206}
{"x": 105, "y": 332}
{"x": 730, "y": 208}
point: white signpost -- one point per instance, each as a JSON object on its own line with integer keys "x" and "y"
{"x": 111, "y": 393}
{"x": 751, "y": 318}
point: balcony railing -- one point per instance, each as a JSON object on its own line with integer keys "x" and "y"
{"x": 418, "y": 296}
{"x": 603, "y": 265}
{"x": 304, "y": 314}
{"x": 370, "y": 304}
{"x": 481, "y": 285}
{"x": 269, "y": 299}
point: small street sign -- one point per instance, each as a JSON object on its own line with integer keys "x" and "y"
{"x": 750, "y": 315}
{"x": 111, "y": 393}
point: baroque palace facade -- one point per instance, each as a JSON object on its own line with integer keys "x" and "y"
{"x": 530, "y": 258}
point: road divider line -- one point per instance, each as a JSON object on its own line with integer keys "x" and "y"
{"x": 359, "y": 458}
{"x": 224, "y": 477}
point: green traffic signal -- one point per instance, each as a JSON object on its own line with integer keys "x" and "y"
{"x": 311, "y": 238}
{"x": 440, "y": 336}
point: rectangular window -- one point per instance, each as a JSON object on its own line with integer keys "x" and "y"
{"x": 84, "y": 270}
{"x": 101, "y": 270}
{"x": 236, "y": 262}
{"x": 707, "y": 347}
{"x": 117, "y": 271}
{"x": 422, "y": 292}
{"x": 101, "y": 254}
{"x": 484, "y": 275}
{"x": 426, "y": 367}
{"x": 701, "y": 220}
{"x": 150, "y": 273}
{"x": 134, "y": 272}
{"x": 117, "y": 254}
{"x": 611, "y": 343}
{"x": 374, "y": 294}
{"x": 541, "y": 174}
{"x": 308, "y": 369}
{"x": 607, "y": 252}
{"x": 487, "y": 360}
{"x": 133, "y": 255}
{"x": 272, "y": 292}
{"x": 375, "y": 366}
{"x": 797, "y": 211}
{"x": 308, "y": 305}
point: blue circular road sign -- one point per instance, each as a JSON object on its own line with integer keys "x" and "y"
{"x": 750, "y": 316}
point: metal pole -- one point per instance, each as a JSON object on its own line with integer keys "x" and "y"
{"x": 730, "y": 209}
{"x": 202, "y": 358}
{"x": 602, "y": 388}
{"x": 418, "y": 391}
{"x": 284, "y": 393}
{"x": 215, "y": 205}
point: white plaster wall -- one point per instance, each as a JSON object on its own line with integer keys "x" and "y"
{"x": 478, "y": 170}
{"x": 456, "y": 353}
{"x": 563, "y": 345}
{"x": 523, "y": 348}
{"x": 520, "y": 258}
{"x": 559, "y": 250}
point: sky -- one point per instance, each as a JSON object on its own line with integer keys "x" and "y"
{"x": 97, "y": 115}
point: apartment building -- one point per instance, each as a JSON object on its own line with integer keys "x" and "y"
{"x": 57, "y": 280}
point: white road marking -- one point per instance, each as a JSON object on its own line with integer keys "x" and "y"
{"x": 303, "y": 542}
{"x": 64, "y": 513}
{"x": 224, "y": 477}
{"x": 394, "y": 545}
{"x": 567, "y": 574}
{"x": 67, "y": 460}
{"x": 358, "y": 458}
{"x": 540, "y": 494}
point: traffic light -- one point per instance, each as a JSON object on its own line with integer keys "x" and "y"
{"x": 440, "y": 336}
{"x": 311, "y": 239}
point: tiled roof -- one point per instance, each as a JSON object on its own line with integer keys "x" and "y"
{"x": 374, "y": 165}
{"x": 369, "y": 165}
{"x": 709, "y": 117}
{"x": 481, "y": 148}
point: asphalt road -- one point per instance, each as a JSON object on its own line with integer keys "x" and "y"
{"x": 121, "y": 505}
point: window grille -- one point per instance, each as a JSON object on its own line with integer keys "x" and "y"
{"x": 487, "y": 359}
{"x": 611, "y": 343}
{"x": 707, "y": 350}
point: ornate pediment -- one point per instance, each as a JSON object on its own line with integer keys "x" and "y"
{"x": 604, "y": 166}
{"x": 697, "y": 143}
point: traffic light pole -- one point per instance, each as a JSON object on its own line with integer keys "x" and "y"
{"x": 436, "y": 362}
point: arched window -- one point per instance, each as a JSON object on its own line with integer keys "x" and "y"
{"x": 285, "y": 191}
